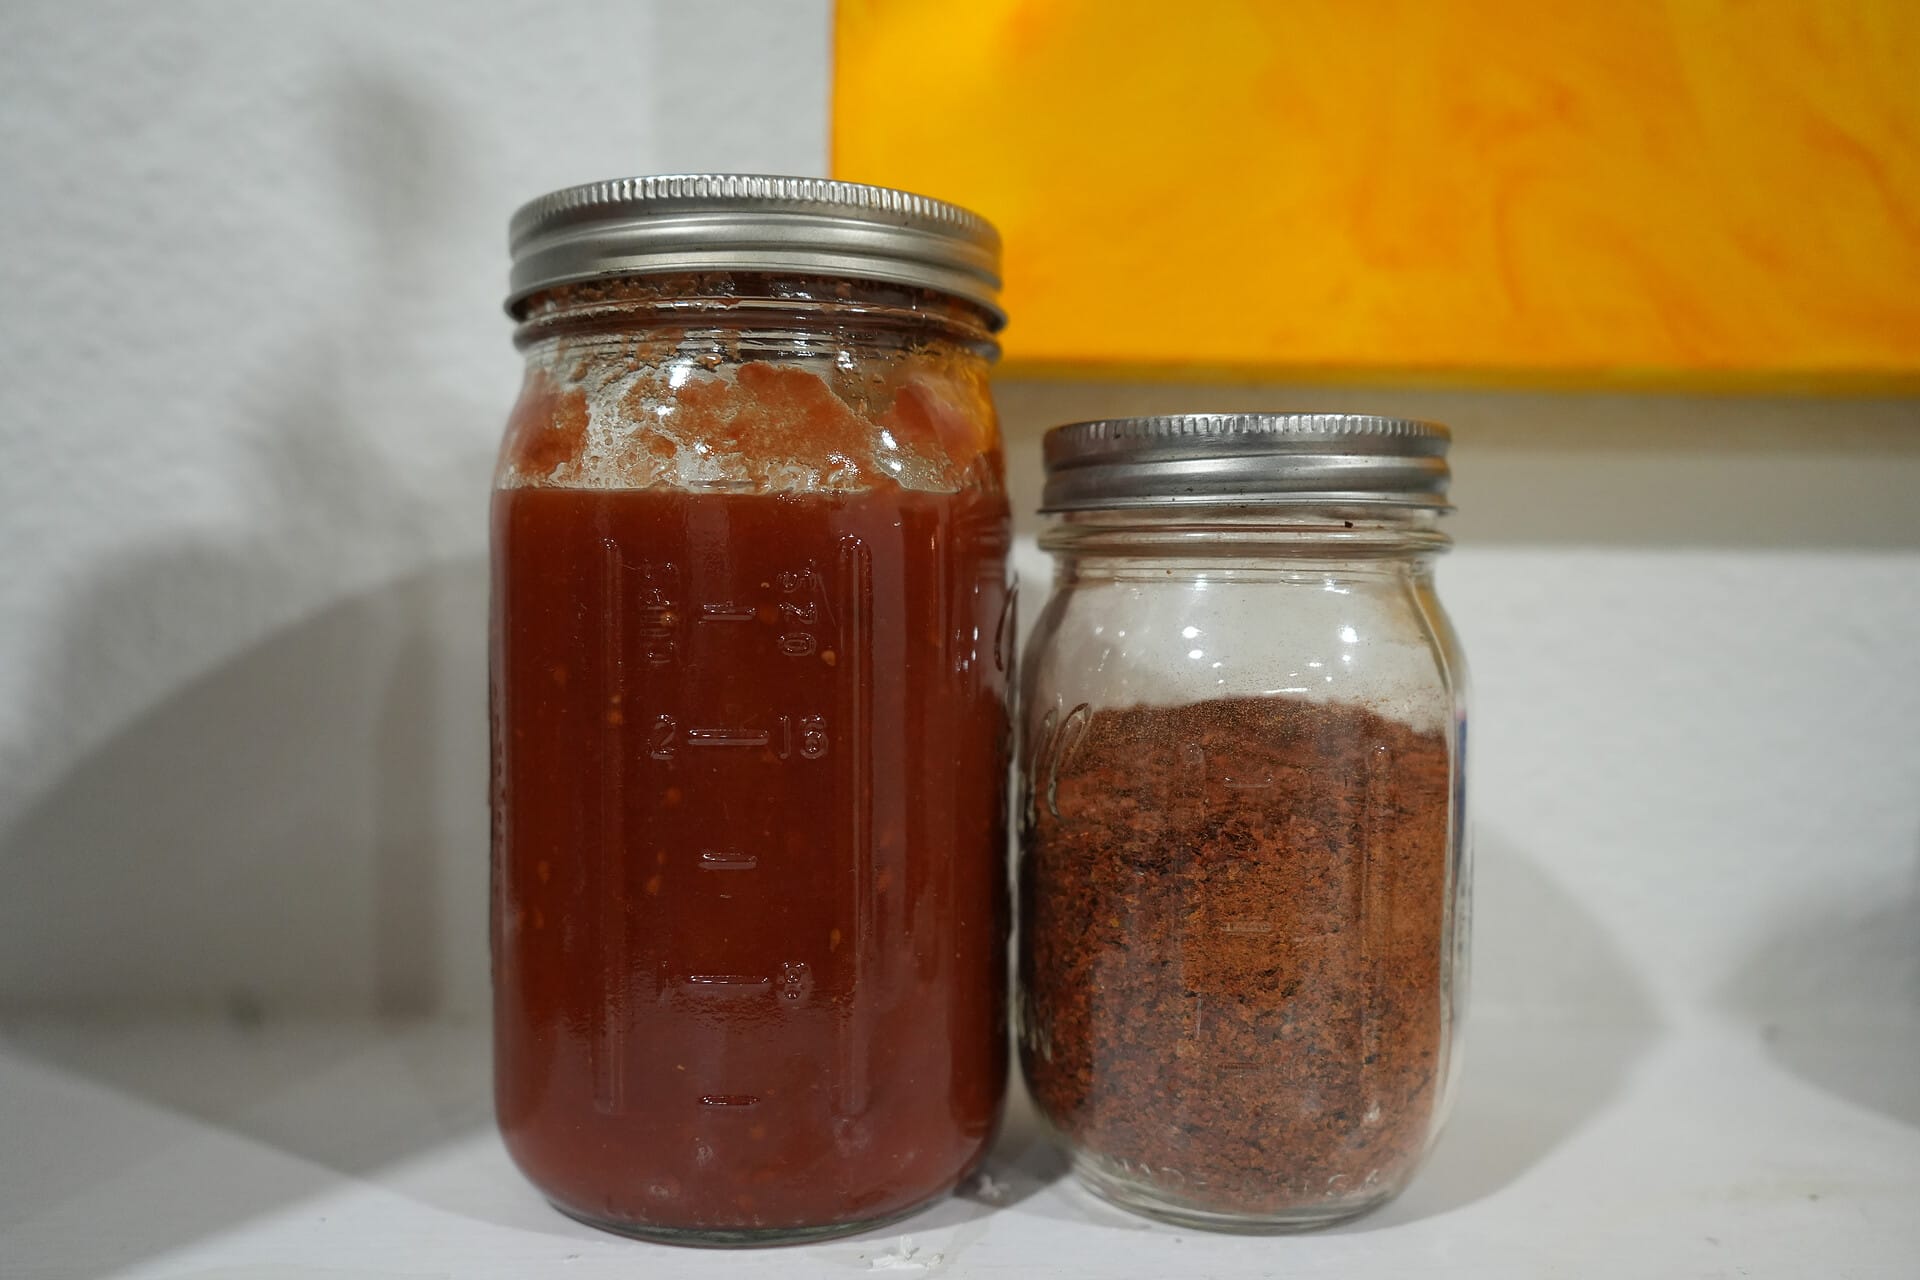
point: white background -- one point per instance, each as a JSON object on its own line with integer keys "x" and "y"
{"x": 255, "y": 369}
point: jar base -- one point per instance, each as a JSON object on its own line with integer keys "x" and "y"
{"x": 1127, "y": 1193}
{"x": 743, "y": 1237}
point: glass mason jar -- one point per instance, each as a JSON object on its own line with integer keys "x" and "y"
{"x": 1242, "y": 879}
{"x": 750, "y": 651}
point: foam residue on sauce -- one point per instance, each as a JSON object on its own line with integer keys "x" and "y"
{"x": 924, "y": 425}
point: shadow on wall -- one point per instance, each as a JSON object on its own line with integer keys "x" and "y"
{"x": 281, "y": 829}
{"x": 1557, "y": 1020}
{"x": 276, "y": 830}
{"x": 1804, "y": 988}
{"x": 304, "y": 824}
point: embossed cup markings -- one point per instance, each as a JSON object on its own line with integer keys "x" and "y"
{"x": 796, "y": 980}
{"x": 809, "y": 738}
{"x": 801, "y": 617}
{"x": 728, "y": 737}
{"x": 663, "y": 624}
{"x": 735, "y": 1101}
{"x": 729, "y": 983}
{"x": 793, "y": 982}
{"x": 657, "y": 615}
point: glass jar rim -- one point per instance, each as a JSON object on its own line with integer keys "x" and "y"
{"x": 1246, "y": 531}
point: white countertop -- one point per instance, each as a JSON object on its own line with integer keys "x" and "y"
{"x": 321, "y": 1150}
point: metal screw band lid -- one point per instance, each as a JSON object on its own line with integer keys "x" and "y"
{"x": 750, "y": 222}
{"x": 1246, "y": 458}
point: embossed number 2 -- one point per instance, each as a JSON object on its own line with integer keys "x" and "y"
{"x": 663, "y": 740}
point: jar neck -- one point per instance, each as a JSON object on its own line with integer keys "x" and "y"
{"x": 730, "y": 304}
{"x": 1305, "y": 532}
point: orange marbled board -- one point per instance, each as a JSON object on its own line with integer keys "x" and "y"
{"x": 1703, "y": 193}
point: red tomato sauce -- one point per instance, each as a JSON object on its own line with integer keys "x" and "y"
{"x": 748, "y": 870}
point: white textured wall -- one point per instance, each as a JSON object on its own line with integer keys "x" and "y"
{"x": 255, "y": 369}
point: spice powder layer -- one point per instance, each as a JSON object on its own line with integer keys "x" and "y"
{"x": 1234, "y": 925}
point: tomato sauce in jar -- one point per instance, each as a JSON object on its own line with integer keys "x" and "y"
{"x": 755, "y": 752}
{"x": 750, "y": 655}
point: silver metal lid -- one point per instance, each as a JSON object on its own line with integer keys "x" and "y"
{"x": 751, "y": 222}
{"x": 1226, "y": 459}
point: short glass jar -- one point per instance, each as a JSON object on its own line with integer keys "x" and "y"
{"x": 751, "y": 642}
{"x": 1242, "y": 877}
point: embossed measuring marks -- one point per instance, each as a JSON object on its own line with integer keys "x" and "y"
{"x": 690, "y": 768}
{"x": 807, "y": 737}
{"x": 797, "y": 611}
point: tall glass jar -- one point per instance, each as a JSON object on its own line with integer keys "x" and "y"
{"x": 1242, "y": 880}
{"x": 750, "y": 652}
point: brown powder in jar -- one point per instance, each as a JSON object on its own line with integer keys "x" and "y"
{"x": 1234, "y": 925}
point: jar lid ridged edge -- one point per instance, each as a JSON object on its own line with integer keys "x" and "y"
{"x": 762, "y": 223}
{"x": 764, "y": 192}
{"x": 1177, "y": 427}
{"x": 1246, "y": 459}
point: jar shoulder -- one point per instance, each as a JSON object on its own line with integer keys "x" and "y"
{"x": 1377, "y": 637}
{"x": 657, "y": 414}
